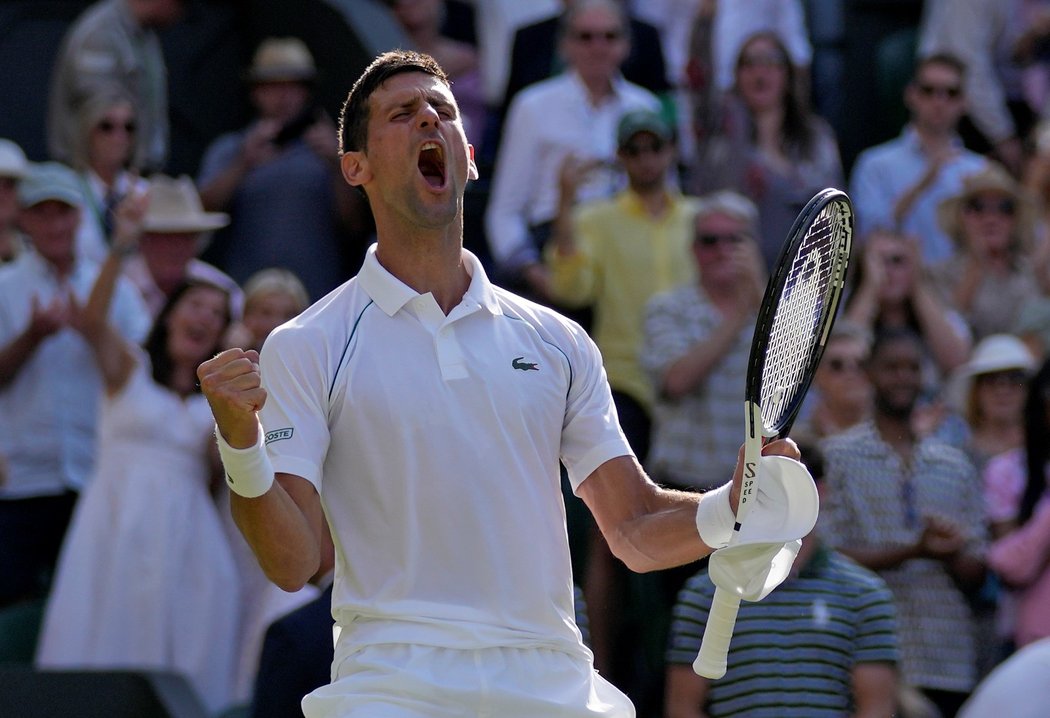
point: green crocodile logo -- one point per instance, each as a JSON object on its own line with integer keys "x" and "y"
{"x": 524, "y": 365}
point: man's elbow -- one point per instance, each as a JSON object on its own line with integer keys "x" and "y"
{"x": 292, "y": 576}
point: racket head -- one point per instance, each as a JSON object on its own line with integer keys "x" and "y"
{"x": 798, "y": 310}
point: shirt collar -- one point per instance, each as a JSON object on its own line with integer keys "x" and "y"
{"x": 911, "y": 137}
{"x": 618, "y": 83}
{"x": 631, "y": 202}
{"x": 391, "y": 294}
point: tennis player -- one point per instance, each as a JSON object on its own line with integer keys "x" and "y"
{"x": 425, "y": 411}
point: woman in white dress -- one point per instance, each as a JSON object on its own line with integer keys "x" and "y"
{"x": 146, "y": 579}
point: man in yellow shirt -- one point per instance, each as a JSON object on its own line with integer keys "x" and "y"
{"x": 613, "y": 255}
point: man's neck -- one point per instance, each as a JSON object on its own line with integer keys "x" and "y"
{"x": 598, "y": 89}
{"x": 433, "y": 264}
{"x": 932, "y": 140}
{"x": 655, "y": 200}
{"x": 897, "y": 432}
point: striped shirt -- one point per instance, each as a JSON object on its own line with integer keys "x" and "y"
{"x": 695, "y": 437}
{"x": 793, "y": 653}
{"x": 873, "y": 501}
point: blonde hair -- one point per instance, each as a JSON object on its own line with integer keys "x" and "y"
{"x": 275, "y": 281}
{"x": 89, "y": 114}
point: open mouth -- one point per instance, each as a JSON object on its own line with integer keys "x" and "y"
{"x": 432, "y": 164}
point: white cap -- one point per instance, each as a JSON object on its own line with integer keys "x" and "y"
{"x": 13, "y": 161}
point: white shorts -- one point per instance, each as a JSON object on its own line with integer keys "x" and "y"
{"x": 410, "y": 681}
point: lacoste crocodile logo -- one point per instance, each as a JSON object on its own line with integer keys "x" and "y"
{"x": 524, "y": 365}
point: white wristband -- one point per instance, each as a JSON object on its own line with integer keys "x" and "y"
{"x": 714, "y": 517}
{"x": 249, "y": 472}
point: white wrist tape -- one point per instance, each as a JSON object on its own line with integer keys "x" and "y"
{"x": 715, "y": 518}
{"x": 249, "y": 472}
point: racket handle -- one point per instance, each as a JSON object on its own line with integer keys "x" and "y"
{"x": 714, "y": 649}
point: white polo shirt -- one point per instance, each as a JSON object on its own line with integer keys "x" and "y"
{"x": 434, "y": 442}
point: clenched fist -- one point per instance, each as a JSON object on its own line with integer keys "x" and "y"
{"x": 232, "y": 384}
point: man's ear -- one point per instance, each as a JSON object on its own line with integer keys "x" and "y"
{"x": 355, "y": 168}
{"x": 472, "y": 168}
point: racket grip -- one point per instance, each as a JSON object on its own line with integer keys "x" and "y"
{"x": 714, "y": 649}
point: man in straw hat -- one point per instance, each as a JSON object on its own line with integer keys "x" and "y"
{"x": 114, "y": 43}
{"x": 49, "y": 384}
{"x": 279, "y": 179}
{"x": 175, "y": 229}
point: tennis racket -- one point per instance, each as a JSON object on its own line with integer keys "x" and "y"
{"x": 794, "y": 320}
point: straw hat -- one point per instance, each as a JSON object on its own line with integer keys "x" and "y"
{"x": 994, "y": 178}
{"x": 994, "y": 353}
{"x": 175, "y": 208}
{"x": 282, "y": 59}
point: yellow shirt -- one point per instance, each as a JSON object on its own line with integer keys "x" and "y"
{"x": 623, "y": 257}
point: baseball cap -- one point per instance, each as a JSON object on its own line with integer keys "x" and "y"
{"x": 49, "y": 181}
{"x": 12, "y": 160}
{"x": 637, "y": 121}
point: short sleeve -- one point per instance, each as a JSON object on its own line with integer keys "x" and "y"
{"x": 295, "y": 415}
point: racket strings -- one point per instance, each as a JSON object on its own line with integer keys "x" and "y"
{"x": 794, "y": 333}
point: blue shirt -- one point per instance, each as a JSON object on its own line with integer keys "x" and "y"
{"x": 885, "y": 172}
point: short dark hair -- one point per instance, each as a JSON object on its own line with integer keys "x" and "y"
{"x": 885, "y": 336}
{"x": 945, "y": 59}
{"x": 353, "y": 119}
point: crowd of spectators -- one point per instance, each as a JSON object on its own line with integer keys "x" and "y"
{"x": 641, "y": 166}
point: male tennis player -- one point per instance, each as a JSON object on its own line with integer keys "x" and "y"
{"x": 426, "y": 411}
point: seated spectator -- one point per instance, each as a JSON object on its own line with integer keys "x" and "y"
{"x": 146, "y": 579}
{"x": 766, "y": 143}
{"x": 280, "y": 182}
{"x": 271, "y": 297}
{"x": 695, "y": 348}
{"x": 535, "y": 57}
{"x": 989, "y": 277}
{"x": 174, "y": 231}
{"x": 102, "y": 155}
{"x": 1019, "y": 509}
{"x": 984, "y": 35}
{"x": 989, "y": 390}
{"x": 909, "y": 507}
{"x": 574, "y": 114}
{"x": 899, "y": 184}
{"x": 114, "y": 43}
{"x": 13, "y": 168}
{"x": 889, "y": 291}
{"x": 834, "y": 627}
{"x": 49, "y": 383}
{"x": 840, "y": 396}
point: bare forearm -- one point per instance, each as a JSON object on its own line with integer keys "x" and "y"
{"x": 280, "y": 533}
{"x": 692, "y": 369}
{"x": 664, "y": 537}
{"x": 882, "y": 559}
{"x": 948, "y": 347}
{"x": 216, "y": 194}
{"x": 14, "y": 356}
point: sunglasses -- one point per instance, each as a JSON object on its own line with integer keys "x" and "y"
{"x": 587, "y": 36}
{"x": 840, "y": 365}
{"x": 109, "y": 126}
{"x": 951, "y": 92}
{"x": 637, "y": 149}
{"x": 1005, "y": 207}
{"x": 1010, "y": 377}
{"x": 762, "y": 59}
{"x": 710, "y": 240}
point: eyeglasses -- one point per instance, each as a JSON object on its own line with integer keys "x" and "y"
{"x": 1005, "y": 206}
{"x": 712, "y": 239}
{"x": 1010, "y": 377}
{"x": 109, "y": 126}
{"x": 588, "y": 36}
{"x": 950, "y": 92}
{"x": 895, "y": 260}
{"x": 762, "y": 59}
{"x": 840, "y": 365}
{"x": 637, "y": 149}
